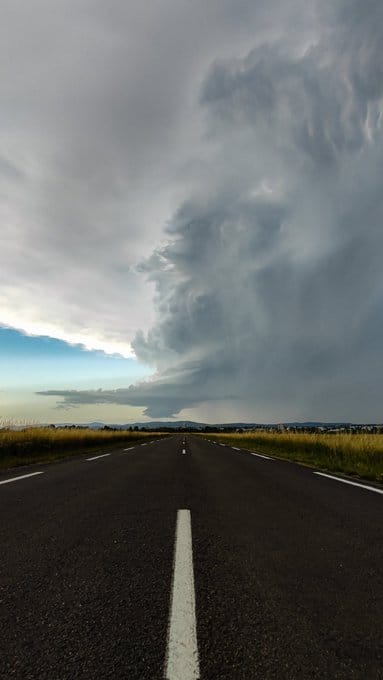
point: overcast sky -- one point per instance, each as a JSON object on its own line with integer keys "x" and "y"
{"x": 196, "y": 188}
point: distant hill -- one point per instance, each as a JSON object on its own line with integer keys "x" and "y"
{"x": 153, "y": 425}
{"x": 158, "y": 424}
{"x": 176, "y": 424}
{"x": 193, "y": 425}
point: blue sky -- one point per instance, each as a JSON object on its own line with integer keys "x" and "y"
{"x": 29, "y": 364}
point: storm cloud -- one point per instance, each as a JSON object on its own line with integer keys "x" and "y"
{"x": 97, "y": 124}
{"x": 269, "y": 287}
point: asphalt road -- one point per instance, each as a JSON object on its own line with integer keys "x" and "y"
{"x": 270, "y": 571}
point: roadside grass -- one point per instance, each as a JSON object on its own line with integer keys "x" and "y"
{"x": 44, "y": 444}
{"x": 358, "y": 455}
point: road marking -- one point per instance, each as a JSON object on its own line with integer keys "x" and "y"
{"x": 96, "y": 457}
{"x": 220, "y": 443}
{"x": 183, "y": 450}
{"x": 129, "y": 449}
{"x": 259, "y": 455}
{"x": 347, "y": 481}
{"x": 16, "y": 479}
{"x": 182, "y": 652}
{"x": 144, "y": 444}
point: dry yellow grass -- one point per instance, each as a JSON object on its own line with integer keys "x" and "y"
{"x": 352, "y": 454}
{"x": 40, "y": 444}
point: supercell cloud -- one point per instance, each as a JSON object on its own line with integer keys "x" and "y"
{"x": 236, "y": 172}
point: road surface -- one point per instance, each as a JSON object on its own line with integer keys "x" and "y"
{"x": 186, "y": 559}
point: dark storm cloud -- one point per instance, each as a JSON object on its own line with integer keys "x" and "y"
{"x": 269, "y": 289}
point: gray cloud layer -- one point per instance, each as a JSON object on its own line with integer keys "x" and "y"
{"x": 96, "y": 130}
{"x": 269, "y": 289}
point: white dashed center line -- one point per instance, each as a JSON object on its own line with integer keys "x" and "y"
{"x": 96, "y": 457}
{"x": 182, "y": 653}
{"x": 183, "y": 450}
{"x": 348, "y": 481}
{"x": 16, "y": 479}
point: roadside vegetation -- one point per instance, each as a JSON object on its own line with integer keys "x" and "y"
{"x": 46, "y": 444}
{"x": 358, "y": 455}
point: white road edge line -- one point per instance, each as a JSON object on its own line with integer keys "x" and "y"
{"x": 96, "y": 457}
{"x": 182, "y": 653}
{"x": 259, "y": 455}
{"x": 347, "y": 481}
{"x": 16, "y": 479}
{"x": 129, "y": 449}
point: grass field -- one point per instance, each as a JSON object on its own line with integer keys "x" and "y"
{"x": 352, "y": 454}
{"x": 44, "y": 444}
